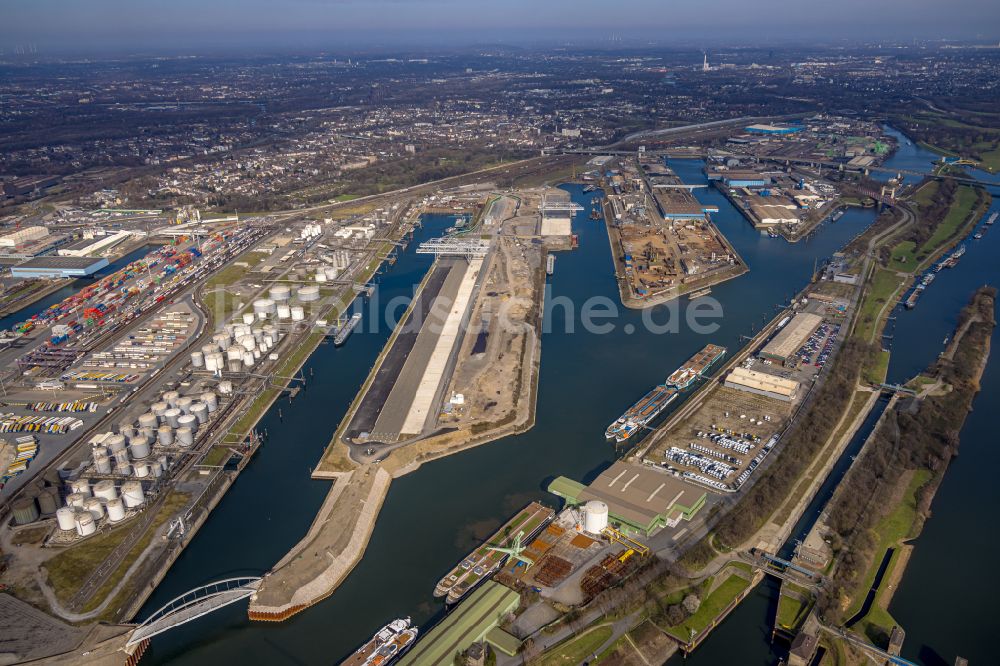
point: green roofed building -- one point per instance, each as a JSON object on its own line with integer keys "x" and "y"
{"x": 475, "y": 619}
{"x": 639, "y": 498}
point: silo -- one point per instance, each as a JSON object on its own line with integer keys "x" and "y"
{"x": 184, "y": 404}
{"x": 248, "y": 359}
{"x": 81, "y": 486}
{"x": 188, "y": 421}
{"x": 212, "y": 402}
{"x": 141, "y": 469}
{"x": 248, "y": 318}
{"x": 284, "y": 312}
{"x": 122, "y": 458}
{"x": 148, "y": 420}
{"x": 25, "y": 511}
{"x": 159, "y": 408}
{"x": 139, "y": 450}
{"x": 102, "y": 463}
{"x": 197, "y": 359}
{"x": 116, "y": 443}
{"x": 74, "y": 500}
{"x": 226, "y": 387}
{"x": 85, "y": 524}
{"x": 116, "y": 509}
{"x": 105, "y": 490}
{"x": 95, "y": 507}
{"x": 171, "y": 416}
{"x": 280, "y": 293}
{"x": 48, "y": 501}
{"x": 221, "y": 340}
{"x": 200, "y": 411}
{"x": 132, "y": 494}
{"x": 185, "y": 436}
{"x": 170, "y": 397}
{"x": 595, "y": 516}
{"x": 165, "y": 435}
{"x": 298, "y": 313}
{"x": 309, "y": 294}
{"x": 66, "y": 518}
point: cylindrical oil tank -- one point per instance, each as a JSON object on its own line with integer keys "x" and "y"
{"x": 256, "y": 355}
{"x": 139, "y": 450}
{"x": 188, "y": 421}
{"x": 248, "y": 342}
{"x": 248, "y": 318}
{"x": 164, "y": 463}
{"x": 210, "y": 400}
{"x": 148, "y": 420}
{"x": 95, "y": 507}
{"x": 66, "y": 518}
{"x": 309, "y": 294}
{"x": 211, "y": 363}
{"x": 102, "y": 463}
{"x": 116, "y": 509}
{"x": 248, "y": 359}
{"x": 235, "y": 353}
{"x": 185, "y": 436}
{"x": 280, "y": 292}
{"x": 132, "y": 494}
{"x": 197, "y": 359}
{"x": 200, "y": 411}
{"x": 159, "y": 409}
{"x": 74, "y": 500}
{"x": 170, "y": 397}
{"x": 116, "y": 443}
{"x": 127, "y": 431}
{"x": 105, "y": 490}
{"x": 263, "y": 308}
{"x": 123, "y": 468}
{"x": 209, "y": 348}
{"x": 141, "y": 469}
{"x": 235, "y": 365}
{"x": 320, "y": 275}
{"x": 48, "y": 501}
{"x": 226, "y": 387}
{"x": 219, "y": 359}
{"x": 331, "y": 273}
{"x": 184, "y": 404}
{"x": 25, "y": 511}
{"x": 298, "y": 313}
{"x": 81, "y": 486}
{"x": 284, "y": 312}
{"x": 170, "y": 417}
{"x": 144, "y": 436}
{"x": 85, "y": 523}
{"x": 165, "y": 435}
{"x": 221, "y": 340}
{"x": 122, "y": 457}
{"x": 155, "y": 469}
{"x": 595, "y": 516}
{"x": 258, "y": 334}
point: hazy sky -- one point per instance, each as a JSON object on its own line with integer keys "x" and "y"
{"x": 118, "y": 24}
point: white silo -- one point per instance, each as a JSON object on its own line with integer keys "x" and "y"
{"x": 170, "y": 397}
{"x": 105, "y": 490}
{"x": 66, "y": 518}
{"x": 248, "y": 359}
{"x": 165, "y": 435}
{"x": 284, "y": 312}
{"x": 170, "y": 417}
{"x": 319, "y": 277}
{"x": 81, "y": 486}
{"x": 159, "y": 409}
{"x": 212, "y": 363}
{"x": 122, "y": 457}
{"x": 235, "y": 365}
{"x": 280, "y": 293}
{"x": 116, "y": 509}
{"x": 85, "y": 524}
{"x": 102, "y": 463}
{"x": 200, "y": 411}
{"x": 209, "y": 348}
{"x": 221, "y": 340}
{"x": 95, "y": 507}
{"x": 264, "y": 308}
{"x": 184, "y": 404}
{"x": 197, "y": 359}
{"x": 210, "y": 400}
{"x": 309, "y": 294}
{"x": 185, "y": 436}
{"x": 298, "y": 313}
{"x": 248, "y": 318}
{"x": 331, "y": 273}
{"x": 116, "y": 443}
{"x": 75, "y": 500}
{"x": 139, "y": 450}
{"x": 188, "y": 421}
{"x": 247, "y": 342}
{"x": 127, "y": 431}
{"x": 132, "y": 494}
{"x": 147, "y": 420}
{"x": 595, "y": 516}
{"x": 144, "y": 436}
{"x": 141, "y": 469}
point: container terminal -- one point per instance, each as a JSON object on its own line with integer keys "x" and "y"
{"x": 387, "y": 645}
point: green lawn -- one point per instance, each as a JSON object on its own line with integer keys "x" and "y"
{"x": 904, "y": 257}
{"x": 876, "y": 373}
{"x": 575, "y": 650}
{"x": 884, "y": 285}
{"x": 710, "y": 608}
{"x": 965, "y": 200}
{"x": 791, "y": 611}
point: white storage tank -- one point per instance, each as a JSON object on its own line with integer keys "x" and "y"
{"x": 170, "y": 397}
{"x": 25, "y": 511}
{"x": 170, "y": 417}
{"x": 123, "y": 468}
{"x": 235, "y": 365}
{"x": 105, "y": 490}
{"x": 248, "y": 318}
{"x": 127, "y": 431}
{"x": 122, "y": 458}
{"x": 595, "y": 516}
{"x": 164, "y": 463}
{"x": 48, "y": 501}
{"x": 209, "y": 348}
{"x": 147, "y": 420}
{"x": 144, "y": 436}
{"x": 139, "y": 450}
{"x": 81, "y": 486}
{"x": 212, "y": 402}
{"x": 116, "y": 443}
{"x": 165, "y": 435}
{"x": 221, "y": 341}
{"x": 132, "y": 494}
{"x": 263, "y": 308}
{"x": 284, "y": 312}
{"x": 280, "y": 292}
{"x": 197, "y": 359}
{"x": 85, "y": 523}
{"x": 141, "y": 469}
{"x": 298, "y": 313}
{"x": 320, "y": 276}
{"x": 116, "y": 509}
{"x": 102, "y": 463}
{"x": 185, "y": 436}
{"x": 309, "y": 294}
{"x": 248, "y": 359}
{"x": 188, "y": 421}
{"x": 184, "y": 404}
{"x": 248, "y": 342}
{"x": 226, "y": 387}
{"x": 75, "y": 500}
{"x": 200, "y": 411}
{"x": 95, "y": 507}
{"x": 212, "y": 363}
{"x": 66, "y": 518}
{"x": 235, "y": 353}
{"x": 159, "y": 408}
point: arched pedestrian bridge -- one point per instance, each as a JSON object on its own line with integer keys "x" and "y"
{"x": 194, "y": 604}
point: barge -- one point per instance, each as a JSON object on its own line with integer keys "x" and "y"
{"x": 695, "y": 367}
{"x": 550, "y": 264}
{"x": 345, "y": 331}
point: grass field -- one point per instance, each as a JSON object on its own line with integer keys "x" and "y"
{"x": 875, "y": 374}
{"x": 885, "y": 283}
{"x": 710, "y": 608}
{"x": 791, "y": 610}
{"x": 575, "y": 650}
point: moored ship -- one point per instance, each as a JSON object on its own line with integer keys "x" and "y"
{"x": 641, "y": 413}
{"x": 695, "y": 367}
{"x": 345, "y": 331}
{"x": 386, "y": 646}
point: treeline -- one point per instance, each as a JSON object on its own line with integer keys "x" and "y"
{"x": 801, "y": 444}
{"x": 914, "y": 435}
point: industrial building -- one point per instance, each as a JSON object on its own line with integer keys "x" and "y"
{"x": 22, "y": 236}
{"x": 476, "y": 619}
{"x": 58, "y": 267}
{"x": 775, "y": 130}
{"x": 783, "y": 345}
{"x": 772, "y": 214}
{"x": 89, "y": 247}
{"x": 737, "y": 179}
{"x": 638, "y": 498}
{"x": 761, "y": 383}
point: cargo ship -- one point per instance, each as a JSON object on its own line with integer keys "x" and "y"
{"x": 992, "y": 219}
{"x": 480, "y": 563}
{"x": 550, "y": 264}
{"x": 345, "y": 331}
{"x": 695, "y": 367}
{"x": 641, "y": 413}
{"x": 386, "y": 646}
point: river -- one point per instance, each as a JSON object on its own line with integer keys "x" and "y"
{"x": 431, "y": 517}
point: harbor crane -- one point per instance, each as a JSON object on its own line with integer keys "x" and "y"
{"x": 515, "y": 550}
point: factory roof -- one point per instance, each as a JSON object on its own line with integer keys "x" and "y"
{"x": 773, "y": 212}
{"x": 56, "y": 262}
{"x": 792, "y": 336}
{"x": 762, "y": 381}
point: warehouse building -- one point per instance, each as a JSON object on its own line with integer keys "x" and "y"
{"x": 89, "y": 247}
{"x": 58, "y": 267}
{"x": 774, "y": 130}
{"x": 22, "y": 236}
{"x": 788, "y": 340}
{"x": 761, "y": 383}
{"x": 767, "y": 215}
{"x": 737, "y": 179}
{"x": 639, "y": 498}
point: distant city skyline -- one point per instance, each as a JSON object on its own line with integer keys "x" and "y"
{"x": 178, "y": 25}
